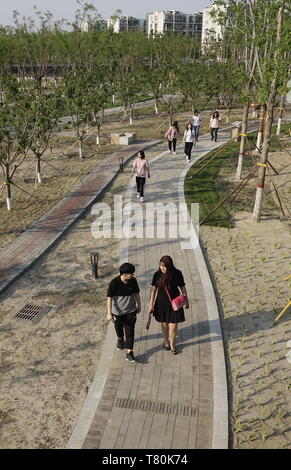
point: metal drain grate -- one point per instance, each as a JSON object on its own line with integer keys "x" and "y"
{"x": 32, "y": 312}
{"x": 155, "y": 407}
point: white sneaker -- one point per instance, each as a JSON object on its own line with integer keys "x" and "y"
{"x": 137, "y": 195}
{"x": 170, "y": 151}
{"x": 187, "y": 160}
{"x": 174, "y": 153}
{"x": 141, "y": 199}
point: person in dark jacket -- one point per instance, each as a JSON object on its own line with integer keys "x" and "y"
{"x": 123, "y": 303}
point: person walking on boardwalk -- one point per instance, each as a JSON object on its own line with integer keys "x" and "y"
{"x": 196, "y": 124}
{"x": 172, "y": 134}
{"x": 123, "y": 303}
{"x": 189, "y": 139}
{"x": 214, "y": 125}
{"x": 166, "y": 283}
{"x": 141, "y": 168}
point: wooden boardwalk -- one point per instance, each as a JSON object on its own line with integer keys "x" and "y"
{"x": 162, "y": 401}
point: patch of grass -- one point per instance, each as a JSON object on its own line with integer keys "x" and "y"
{"x": 202, "y": 188}
{"x": 216, "y": 180}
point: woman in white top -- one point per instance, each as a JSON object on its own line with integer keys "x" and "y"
{"x": 141, "y": 168}
{"x": 189, "y": 139}
{"x": 214, "y": 125}
{"x": 196, "y": 124}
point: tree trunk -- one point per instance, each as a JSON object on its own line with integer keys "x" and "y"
{"x": 261, "y": 129}
{"x": 113, "y": 99}
{"x": 8, "y": 198}
{"x": 38, "y": 175}
{"x": 242, "y": 142}
{"x": 228, "y": 116}
{"x": 156, "y": 107}
{"x": 8, "y": 189}
{"x": 98, "y": 136}
{"x": 81, "y": 149}
{"x": 130, "y": 117}
{"x": 263, "y": 165}
{"x": 281, "y": 111}
{"x": 268, "y": 126}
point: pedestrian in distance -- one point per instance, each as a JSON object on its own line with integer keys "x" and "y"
{"x": 141, "y": 168}
{"x": 166, "y": 304}
{"x": 214, "y": 125}
{"x": 123, "y": 304}
{"x": 196, "y": 124}
{"x": 172, "y": 134}
{"x": 189, "y": 139}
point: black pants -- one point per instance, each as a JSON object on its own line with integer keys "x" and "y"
{"x": 188, "y": 148}
{"x": 140, "y": 182}
{"x": 213, "y": 132}
{"x": 174, "y": 142}
{"x": 124, "y": 324}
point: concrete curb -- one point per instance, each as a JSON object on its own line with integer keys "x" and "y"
{"x": 220, "y": 396}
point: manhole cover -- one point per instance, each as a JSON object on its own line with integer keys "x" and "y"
{"x": 32, "y": 312}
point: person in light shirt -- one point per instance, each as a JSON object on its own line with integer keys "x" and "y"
{"x": 172, "y": 134}
{"x": 214, "y": 125}
{"x": 189, "y": 139}
{"x": 196, "y": 118}
{"x": 141, "y": 168}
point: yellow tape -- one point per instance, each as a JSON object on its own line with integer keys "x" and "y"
{"x": 244, "y": 135}
{"x": 262, "y": 164}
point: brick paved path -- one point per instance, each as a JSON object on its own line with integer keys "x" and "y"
{"x": 41, "y": 235}
{"x": 162, "y": 401}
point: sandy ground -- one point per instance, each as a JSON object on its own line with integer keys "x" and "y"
{"x": 249, "y": 275}
{"x": 47, "y": 367}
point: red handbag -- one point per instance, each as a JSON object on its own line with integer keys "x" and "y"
{"x": 177, "y": 302}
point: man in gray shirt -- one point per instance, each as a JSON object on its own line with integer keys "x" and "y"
{"x": 123, "y": 303}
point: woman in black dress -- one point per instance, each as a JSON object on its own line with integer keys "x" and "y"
{"x": 167, "y": 278}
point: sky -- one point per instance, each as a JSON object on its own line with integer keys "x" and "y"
{"x": 66, "y": 8}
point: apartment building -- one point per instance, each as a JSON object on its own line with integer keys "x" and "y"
{"x": 100, "y": 25}
{"x": 195, "y": 22}
{"x": 210, "y": 28}
{"x": 174, "y": 21}
{"x": 126, "y": 23}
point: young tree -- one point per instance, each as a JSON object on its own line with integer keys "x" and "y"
{"x": 239, "y": 35}
{"x": 77, "y": 98}
{"x": 45, "y": 110}
{"x": 130, "y": 76}
{"x": 155, "y": 68}
{"x": 272, "y": 70}
{"x": 15, "y": 122}
{"x": 192, "y": 81}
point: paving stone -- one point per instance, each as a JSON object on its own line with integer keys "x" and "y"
{"x": 159, "y": 378}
